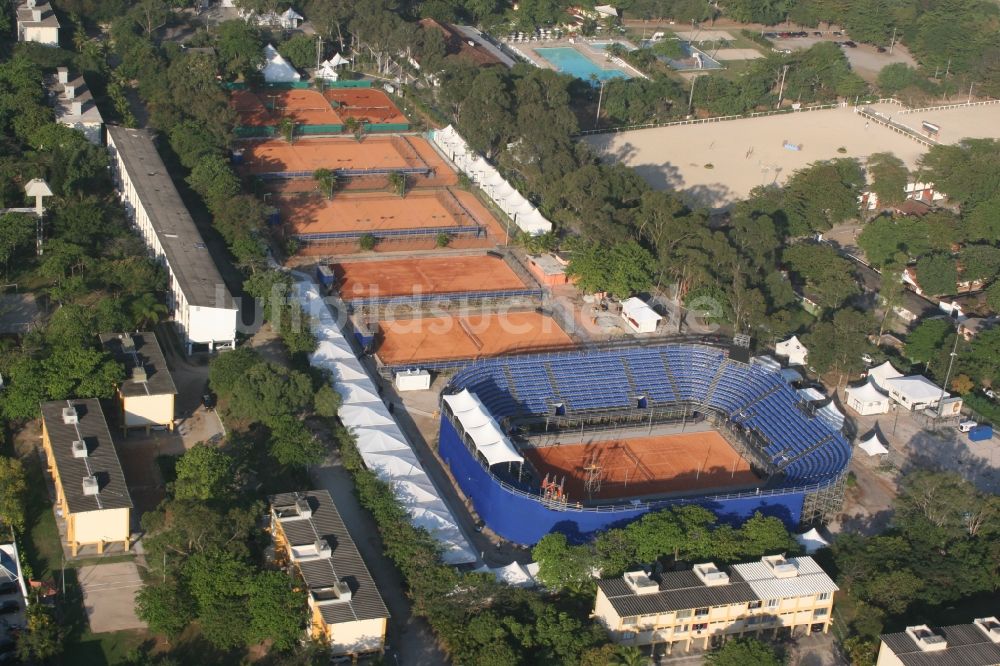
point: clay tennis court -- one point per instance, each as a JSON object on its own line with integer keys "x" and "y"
{"x": 275, "y": 156}
{"x": 366, "y": 105}
{"x": 644, "y": 466}
{"x": 431, "y": 275}
{"x": 304, "y": 107}
{"x": 412, "y": 341}
{"x": 380, "y": 211}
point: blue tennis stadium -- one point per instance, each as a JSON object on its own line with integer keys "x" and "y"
{"x": 800, "y": 461}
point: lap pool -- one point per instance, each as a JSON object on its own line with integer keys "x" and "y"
{"x": 570, "y": 61}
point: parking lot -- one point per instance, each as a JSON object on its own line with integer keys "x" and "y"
{"x": 865, "y": 59}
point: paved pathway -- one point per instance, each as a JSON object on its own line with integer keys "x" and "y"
{"x": 109, "y": 596}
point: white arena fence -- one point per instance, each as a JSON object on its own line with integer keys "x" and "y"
{"x": 713, "y": 119}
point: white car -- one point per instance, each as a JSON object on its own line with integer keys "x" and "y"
{"x": 966, "y": 426}
{"x": 867, "y": 359}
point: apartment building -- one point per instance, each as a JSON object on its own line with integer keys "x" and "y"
{"x": 345, "y": 608}
{"x": 146, "y": 397}
{"x": 201, "y": 305}
{"x": 976, "y": 644}
{"x": 703, "y": 606}
{"x": 91, "y": 495}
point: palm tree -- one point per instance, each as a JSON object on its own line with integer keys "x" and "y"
{"x": 146, "y": 310}
{"x": 327, "y": 180}
{"x": 629, "y": 655}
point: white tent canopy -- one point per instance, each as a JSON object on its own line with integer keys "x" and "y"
{"x": 831, "y": 416}
{"x": 915, "y": 391}
{"x": 510, "y": 201}
{"x": 381, "y": 443}
{"x": 809, "y": 394}
{"x": 873, "y": 444}
{"x": 514, "y": 574}
{"x": 793, "y": 350}
{"x": 276, "y": 68}
{"x": 326, "y": 71}
{"x": 880, "y": 374}
{"x": 811, "y": 541}
{"x": 866, "y": 399}
{"x": 477, "y": 422}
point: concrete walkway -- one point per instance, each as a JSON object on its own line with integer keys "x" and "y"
{"x": 109, "y": 596}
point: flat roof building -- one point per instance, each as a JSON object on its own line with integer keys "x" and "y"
{"x": 705, "y": 605}
{"x": 74, "y": 105}
{"x": 345, "y": 608}
{"x": 976, "y": 644}
{"x": 36, "y": 22}
{"x": 202, "y": 307}
{"x": 91, "y": 494}
{"x": 146, "y": 397}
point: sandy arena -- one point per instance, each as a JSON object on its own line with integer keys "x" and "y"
{"x": 645, "y": 466}
{"x": 750, "y": 152}
{"x": 413, "y": 341}
{"x": 430, "y": 275}
{"x": 275, "y": 156}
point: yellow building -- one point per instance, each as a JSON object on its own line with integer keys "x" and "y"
{"x": 700, "y": 607}
{"x": 976, "y": 644}
{"x": 90, "y": 487}
{"x": 345, "y": 608}
{"x": 146, "y": 397}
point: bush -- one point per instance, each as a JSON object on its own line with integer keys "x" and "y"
{"x": 442, "y": 240}
{"x": 368, "y": 242}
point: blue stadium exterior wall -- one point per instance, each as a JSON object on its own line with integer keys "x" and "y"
{"x": 524, "y": 520}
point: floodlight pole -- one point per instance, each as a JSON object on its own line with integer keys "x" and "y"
{"x": 781, "y": 88}
{"x": 947, "y": 377}
{"x": 600, "y": 98}
{"x": 892, "y": 43}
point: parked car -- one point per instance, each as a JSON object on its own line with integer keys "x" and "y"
{"x": 837, "y": 33}
{"x": 208, "y": 400}
{"x": 850, "y": 44}
{"x": 9, "y": 607}
{"x": 817, "y": 34}
{"x": 867, "y": 359}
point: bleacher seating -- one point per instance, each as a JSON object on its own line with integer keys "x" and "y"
{"x": 749, "y": 395}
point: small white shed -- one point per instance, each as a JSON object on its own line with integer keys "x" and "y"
{"x": 639, "y": 316}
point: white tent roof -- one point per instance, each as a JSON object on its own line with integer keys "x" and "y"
{"x": 768, "y": 362}
{"x": 291, "y": 14}
{"x": 337, "y": 60}
{"x": 811, "y": 541}
{"x": 606, "y": 10}
{"x": 482, "y": 428}
{"x": 276, "y": 68}
{"x": 513, "y": 574}
{"x": 831, "y": 415}
{"x": 509, "y": 200}
{"x": 380, "y": 441}
{"x": 867, "y": 393}
{"x": 916, "y": 388}
{"x": 639, "y": 310}
{"x": 793, "y": 350}
{"x": 882, "y": 373}
{"x": 810, "y": 394}
{"x": 791, "y": 375}
{"x": 873, "y": 444}
{"x": 326, "y": 71}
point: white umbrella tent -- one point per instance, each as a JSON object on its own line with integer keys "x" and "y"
{"x": 811, "y": 541}
{"x": 793, "y": 350}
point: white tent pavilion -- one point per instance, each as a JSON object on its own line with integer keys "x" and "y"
{"x": 514, "y": 574}
{"x": 326, "y": 71}
{"x": 811, "y": 541}
{"x": 277, "y": 69}
{"x": 866, "y": 399}
{"x": 873, "y": 444}
{"x": 290, "y": 19}
{"x": 357, "y": 392}
{"x": 915, "y": 392}
{"x": 365, "y": 415}
{"x": 486, "y": 435}
{"x": 793, "y": 350}
{"x": 880, "y": 374}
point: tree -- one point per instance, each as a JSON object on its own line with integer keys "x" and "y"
{"x": 166, "y": 607}
{"x": 300, "y": 50}
{"x": 888, "y": 178}
{"x": 218, "y": 582}
{"x": 43, "y": 638}
{"x": 291, "y": 443}
{"x": 287, "y": 128}
{"x": 326, "y": 180}
{"x": 17, "y": 231}
{"x": 146, "y": 310}
{"x": 622, "y": 270}
{"x": 203, "y": 473}
{"x": 837, "y": 344}
{"x": 13, "y": 493}
{"x": 928, "y": 340}
{"x": 980, "y": 262}
{"x": 268, "y": 391}
{"x": 397, "y": 182}
{"x": 560, "y": 564}
{"x": 768, "y": 12}
{"x": 276, "y": 609}
{"x": 80, "y": 372}
{"x": 327, "y": 402}
{"x": 764, "y": 535}
{"x": 743, "y": 651}
{"x": 227, "y": 370}
{"x": 822, "y": 194}
{"x": 894, "y": 240}
{"x": 937, "y": 274}
{"x": 212, "y": 178}
{"x": 367, "y": 242}
{"x": 828, "y": 276}
{"x": 240, "y": 48}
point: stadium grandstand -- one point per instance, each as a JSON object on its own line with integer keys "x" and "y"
{"x": 618, "y": 396}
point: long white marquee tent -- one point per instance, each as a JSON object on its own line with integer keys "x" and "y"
{"x": 489, "y": 440}
{"x": 380, "y": 441}
{"x": 482, "y": 173}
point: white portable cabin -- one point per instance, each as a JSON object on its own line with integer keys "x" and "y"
{"x": 413, "y": 379}
{"x": 639, "y": 316}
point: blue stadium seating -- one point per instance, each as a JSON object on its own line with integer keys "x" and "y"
{"x": 803, "y": 446}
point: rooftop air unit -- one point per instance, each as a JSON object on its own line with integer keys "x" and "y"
{"x": 90, "y": 485}
{"x": 139, "y": 374}
{"x": 79, "y": 448}
{"x": 128, "y": 344}
{"x": 926, "y": 639}
{"x": 640, "y": 582}
{"x": 780, "y": 567}
{"x": 337, "y": 593}
{"x": 710, "y": 575}
{"x": 989, "y": 625}
{"x": 69, "y": 416}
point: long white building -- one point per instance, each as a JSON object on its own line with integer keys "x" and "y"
{"x": 202, "y": 307}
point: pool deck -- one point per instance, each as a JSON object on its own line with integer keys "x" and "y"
{"x": 527, "y": 51}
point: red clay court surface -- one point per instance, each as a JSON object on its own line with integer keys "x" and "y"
{"x": 373, "y": 153}
{"x": 380, "y": 211}
{"x": 411, "y": 341}
{"x": 305, "y": 107}
{"x": 645, "y": 466}
{"x": 366, "y": 105}
{"x": 432, "y": 275}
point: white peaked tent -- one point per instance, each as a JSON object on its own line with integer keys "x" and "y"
{"x": 866, "y": 399}
{"x": 793, "y": 350}
{"x": 276, "y": 68}
{"x": 291, "y": 19}
{"x": 326, "y": 71}
{"x": 830, "y": 415}
{"x": 873, "y": 444}
{"x": 477, "y": 422}
{"x": 880, "y": 374}
{"x": 510, "y": 201}
{"x": 811, "y": 541}
{"x": 381, "y": 443}
{"x": 513, "y": 574}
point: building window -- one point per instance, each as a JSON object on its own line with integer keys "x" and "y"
{"x": 773, "y": 603}
{"x": 628, "y": 635}
{"x": 701, "y": 612}
{"x": 681, "y": 614}
{"x": 820, "y": 612}
{"x": 700, "y": 627}
{"x": 754, "y": 605}
{"x": 822, "y": 596}
{"x": 629, "y": 620}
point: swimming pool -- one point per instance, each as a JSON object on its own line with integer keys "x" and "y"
{"x": 570, "y": 61}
